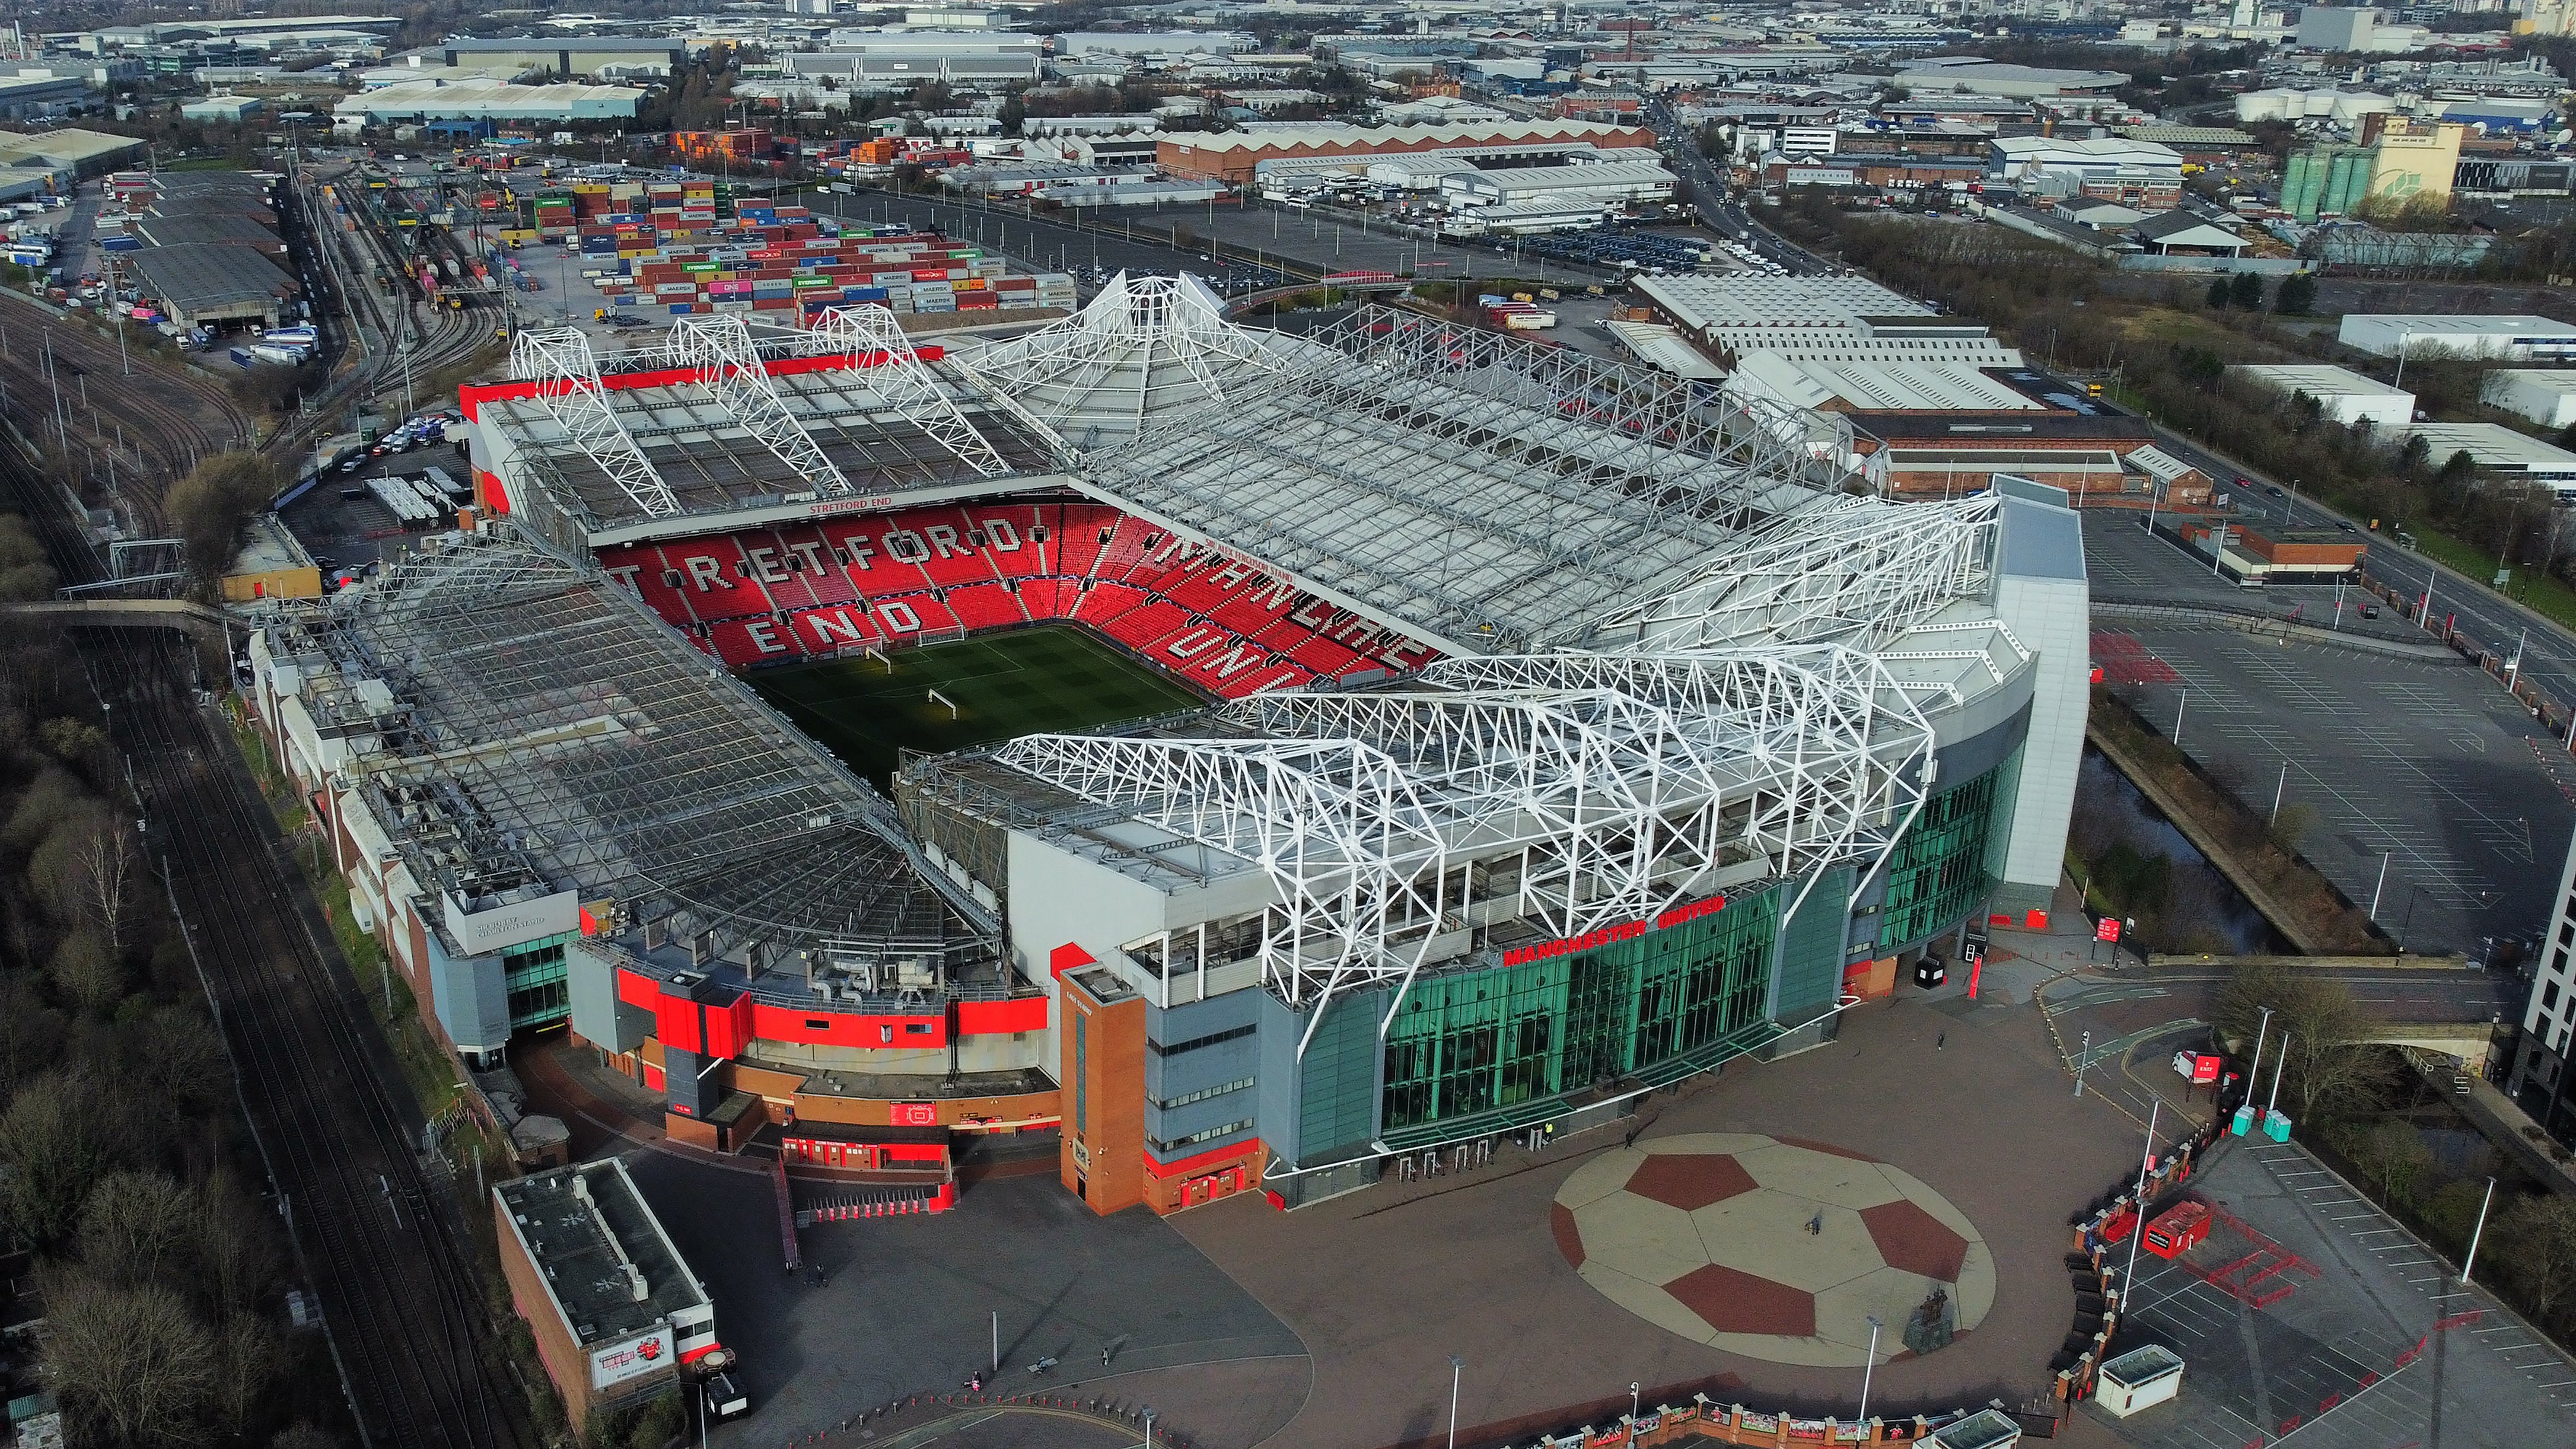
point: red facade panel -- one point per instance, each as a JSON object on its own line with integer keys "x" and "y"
{"x": 729, "y": 1028}
{"x": 849, "y": 1029}
{"x": 675, "y": 1021}
{"x": 994, "y": 1018}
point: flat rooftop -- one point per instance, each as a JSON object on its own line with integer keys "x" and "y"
{"x": 1803, "y": 302}
{"x": 607, "y": 1263}
{"x": 2319, "y": 380}
{"x": 194, "y": 276}
{"x": 2497, "y": 448}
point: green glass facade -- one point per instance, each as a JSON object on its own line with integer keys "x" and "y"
{"x": 538, "y": 982}
{"x": 1485, "y": 1042}
{"x": 1944, "y": 865}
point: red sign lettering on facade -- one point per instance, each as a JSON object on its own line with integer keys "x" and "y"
{"x": 1610, "y": 935}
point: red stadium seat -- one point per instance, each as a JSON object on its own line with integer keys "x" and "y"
{"x": 986, "y": 606}
{"x": 813, "y": 590}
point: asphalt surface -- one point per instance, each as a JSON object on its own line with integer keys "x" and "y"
{"x": 2336, "y": 1326}
{"x": 2548, "y": 651}
{"x": 906, "y": 1305}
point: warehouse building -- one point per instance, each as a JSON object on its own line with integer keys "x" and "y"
{"x": 605, "y": 56}
{"x": 1836, "y": 320}
{"x": 211, "y": 283}
{"x": 2546, "y": 395}
{"x": 2501, "y": 337}
{"x": 2500, "y": 452}
{"x": 614, "y": 1308}
{"x": 484, "y": 100}
{"x": 2343, "y": 396}
{"x": 1601, "y": 187}
{"x": 1232, "y": 156}
{"x": 874, "y": 60}
{"x": 69, "y": 154}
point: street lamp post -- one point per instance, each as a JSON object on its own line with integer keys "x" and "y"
{"x": 1457, "y": 1366}
{"x": 1868, "y": 1363}
{"x": 1633, "y": 1391}
{"x": 2129, "y": 1274}
{"x": 2469, "y": 1265}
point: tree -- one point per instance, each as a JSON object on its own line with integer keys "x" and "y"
{"x": 104, "y": 869}
{"x": 237, "y": 1247}
{"x": 138, "y": 1228}
{"x": 2318, "y": 1039}
{"x": 131, "y": 1362}
{"x": 24, "y": 574}
{"x": 2297, "y": 295}
{"x": 2218, "y": 295}
{"x": 2246, "y": 290}
{"x": 54, "y": 1144}
{"x": 208, "y": 508}
{"x": 2394, "y": 1155}
{"x": 85, "y": 969}
{"x": 2538, "y": 1236}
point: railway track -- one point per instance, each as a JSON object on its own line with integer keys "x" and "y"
{"x": 393, "y": 1269}
{"x": 376, "y": 1236}
{"x": 407, "y": 331}
{"x": 137, "y": 430}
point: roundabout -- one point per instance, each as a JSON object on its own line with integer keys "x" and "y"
{"x": 1779, "y": 1249}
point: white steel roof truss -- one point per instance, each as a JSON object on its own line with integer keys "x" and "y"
{"x": 721, "y": 352}
{"x": 559, "y": 360}
{"x": 906, "y": 382}
{"x": 1624, "y": 779}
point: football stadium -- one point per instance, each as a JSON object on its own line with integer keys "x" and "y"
{"x": 1250, "y": 755}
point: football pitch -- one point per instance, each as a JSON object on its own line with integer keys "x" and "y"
{"x": 1022, "y": 682}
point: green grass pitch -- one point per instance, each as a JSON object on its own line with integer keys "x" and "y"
{"x": 1022, "y": 682}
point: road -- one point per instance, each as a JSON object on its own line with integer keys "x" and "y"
{"x": 1717, "y": 207}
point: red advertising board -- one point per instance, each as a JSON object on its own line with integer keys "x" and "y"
{"x": 2108, "y": 930}
{"x": 914, "y": 1114}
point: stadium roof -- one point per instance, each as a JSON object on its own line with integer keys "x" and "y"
{"x": 735, "y": 419}
{"x": 518, "y": 722}
{"x": 1475, "y": 489}
{"x": 1769, "y": 719}
{"x": 1141, "y": 349}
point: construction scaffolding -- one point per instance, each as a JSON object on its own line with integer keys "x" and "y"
{"x": 514, "y": 720}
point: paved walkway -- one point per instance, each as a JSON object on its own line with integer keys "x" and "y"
{"x": 1785, "y": 1251}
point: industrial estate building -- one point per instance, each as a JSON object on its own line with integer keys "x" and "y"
{"x": 2342, "y": 395}
{"x": 1545, "y": 764}
{"x": 2546, "y": 395}
{"x": 2518, "y": 338}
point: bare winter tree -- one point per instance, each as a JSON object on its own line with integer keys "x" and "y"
{"x": 133, "y": 1362}
{"x": 104, "y": 866}
{"x": 2538, "y": 1236}
{"x": 137, "y": 1228}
